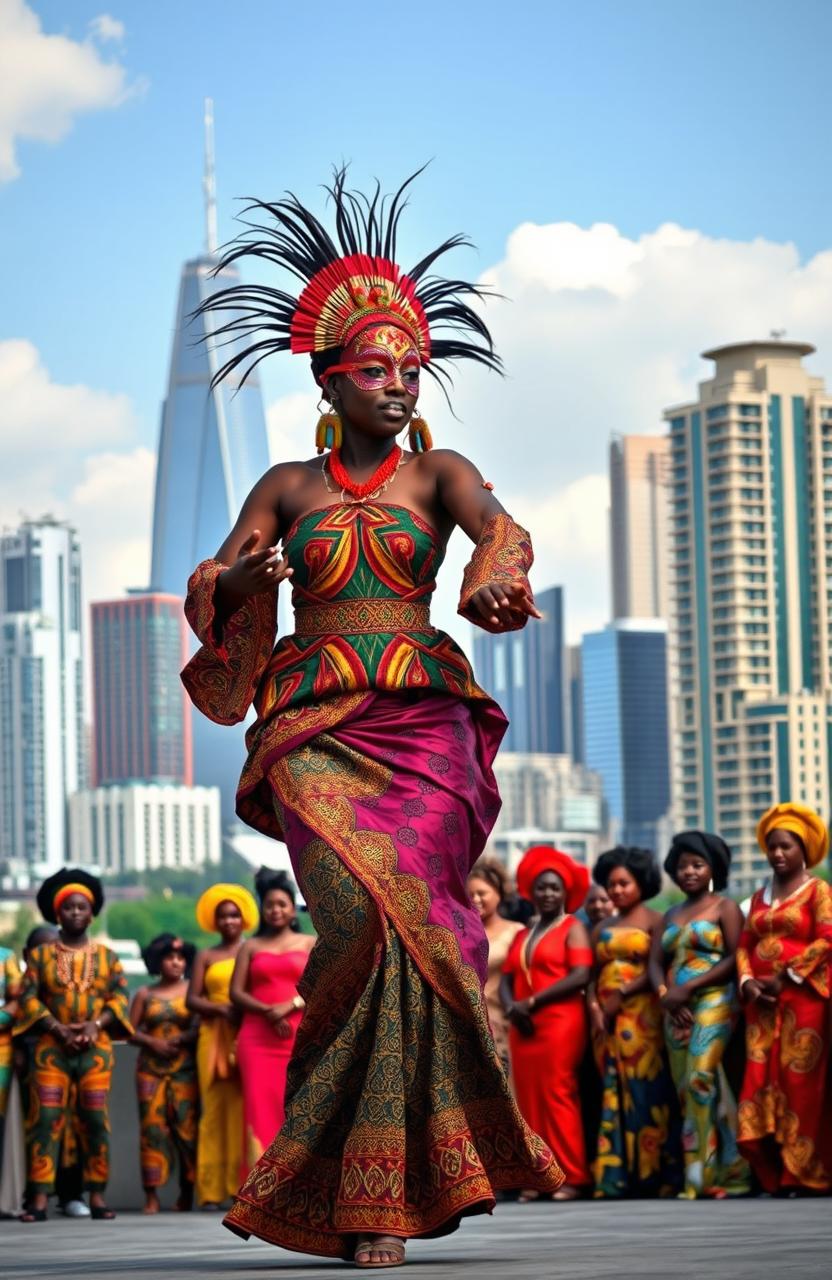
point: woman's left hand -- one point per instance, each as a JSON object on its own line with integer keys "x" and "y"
{"x": 675, "y": 998}
{"x": 505, "y": 603}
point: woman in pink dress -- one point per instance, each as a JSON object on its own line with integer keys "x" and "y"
{"x": 265, "y": 987}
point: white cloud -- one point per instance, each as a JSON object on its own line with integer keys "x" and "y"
{"x": 290, "y": 422}
{"x": 70, "y": 451}
{"x": 599, "y": 334}
{"x": 105, "y": 28}
{"x": 46, "y": 80}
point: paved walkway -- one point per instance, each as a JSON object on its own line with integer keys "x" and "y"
{"x": 744, "y": 1240}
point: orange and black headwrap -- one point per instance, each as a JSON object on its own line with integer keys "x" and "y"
{"x": 350, "y": 281}
{"x": 60, "y": 886}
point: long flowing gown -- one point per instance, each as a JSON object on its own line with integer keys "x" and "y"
{"x": 372, "y": 757}
{"x": 709, "y": 1130}
{"x": 785, "y": 1112}
{"x": 545, "y": 1066}
{"x": 639, "y": 1141}
{"x": 262, "y": 1055}
{"x": 220, "y": 1140}
{"x": 167, "y": 1093}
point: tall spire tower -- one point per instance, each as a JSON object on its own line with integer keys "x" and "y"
{"x": 212, "y": 449}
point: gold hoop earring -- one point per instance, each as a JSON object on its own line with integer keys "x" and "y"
{"x": 329, "y": 431}
{"x": 418, "y": 434}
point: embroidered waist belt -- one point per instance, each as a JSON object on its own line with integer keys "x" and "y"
{"x": 361, "y": 617}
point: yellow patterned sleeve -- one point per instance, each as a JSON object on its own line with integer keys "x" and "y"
{"x": 222, "y": 676}
{"x": 31, "y": 1007}
{"x": 812, "y": 964}
{"x": 118, "y": 995}
{"x": 503, "y": 554}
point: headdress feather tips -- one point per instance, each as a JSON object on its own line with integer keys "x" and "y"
{"x": 349, "y": 282}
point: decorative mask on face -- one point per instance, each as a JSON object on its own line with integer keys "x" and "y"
{"x": 378, "y": 357}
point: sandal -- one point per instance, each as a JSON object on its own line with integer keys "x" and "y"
{"x": 566, "y": 1193}
{"x": 380, "y": 1244}
{"x": 100, "y": 1213}
{"x": 528, "y": 1197}
{"x": 33, "y": 1215}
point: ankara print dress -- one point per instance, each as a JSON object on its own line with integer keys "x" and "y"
{"x": 372, "y": 757}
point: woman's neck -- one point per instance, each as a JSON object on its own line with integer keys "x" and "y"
{"x": 361, "y": 451}
{"x": 73, "y": 940}
{"x": 782, "y": 886}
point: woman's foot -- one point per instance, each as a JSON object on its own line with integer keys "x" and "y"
{"x": 35, "y": 1209}
{"x": 99, "y": 1211}
{"x": 379, "y": 1251}
{"x": 151, "y": 1202}
{"x": 566, "y": 1193}
{"x": 185, "y": 1199}
{"x": 528, "y": 1197}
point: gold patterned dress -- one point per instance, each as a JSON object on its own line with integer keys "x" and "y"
{"x": 639, "y": 1148}
{"x": 220, "y": 1145}
{"x": 167, "y": 1092}
{"x": 71, "y": 985}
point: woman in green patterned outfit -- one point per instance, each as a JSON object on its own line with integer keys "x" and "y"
{"x": 692, "y": 969}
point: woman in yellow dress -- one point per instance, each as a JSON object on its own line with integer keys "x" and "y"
{"x": 230, "y": 910}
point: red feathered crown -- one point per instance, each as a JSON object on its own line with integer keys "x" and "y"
{"x": 348, "y": 295}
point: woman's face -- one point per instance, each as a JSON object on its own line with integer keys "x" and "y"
{"x": 75, "y": 915}
{"x": 378, "y": 390}
{"x": 229, "y": 921}
{"x": 785, "y": 852}
{"x": 598, "y": 905}
{"x": 278, "y": 909}
{"x": 484, "y": 896}
{"x": 693, "y": 874}
{"x": 548, "y": 895}
{"x": 172, "y": 968}
{"x": 623, "y": 889}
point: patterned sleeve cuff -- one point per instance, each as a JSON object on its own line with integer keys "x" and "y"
{"x": 503, "y": 554}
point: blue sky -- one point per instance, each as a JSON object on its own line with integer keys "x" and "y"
{"x": 714, "y": 116}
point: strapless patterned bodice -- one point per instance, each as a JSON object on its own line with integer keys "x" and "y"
{"x": 621, "y": 952}
{"x": 363, "y": 577}
{"x": 695, "y": 948}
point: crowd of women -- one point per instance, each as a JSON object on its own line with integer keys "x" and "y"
{"x": 618, "y": 1026}
{"x": 214, "y": 1031}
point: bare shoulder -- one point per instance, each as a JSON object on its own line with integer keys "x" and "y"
{"x": 446, "y": 464}
{"x": 307, "y": 941}
{"x": 653, "y": 918}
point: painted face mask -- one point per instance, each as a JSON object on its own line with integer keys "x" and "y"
{"x": 378, "y": 357}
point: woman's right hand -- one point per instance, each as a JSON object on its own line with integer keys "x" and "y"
{"x": 252, "y": 573}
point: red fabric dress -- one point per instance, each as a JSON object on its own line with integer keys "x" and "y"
{"x": 544, "y": 1067}
{"x": 785, "y": 1116}
{"x": 262, "y": 1056}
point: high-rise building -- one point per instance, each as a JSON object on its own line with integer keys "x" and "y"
{"x": 549, "y": 792}
{"x": 626, "y": 725}
{"x": 575, "y": 702}
{"x": 142, "y": 720}
{"x": 141, "y": 826}
{"x": 42, "y": 758}
{"x": 752, "y": 587}
{"x": 639, "y": 540}
{"x": 213, "y": 448}
{"x": 524, "y": 671}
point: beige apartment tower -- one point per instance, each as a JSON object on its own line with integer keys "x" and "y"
{"x": 639, "y": 526}
{"x": 751, "y": 586}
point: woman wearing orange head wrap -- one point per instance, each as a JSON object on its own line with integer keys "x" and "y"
{"x": 783, "y": 963}
{"x": 544, "y": 977}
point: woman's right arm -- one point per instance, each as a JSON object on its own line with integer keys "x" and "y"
{"x": 656, "y": 964}
{"x": 196, "y": 1000}
{"x": 250, "y": 553}
{"x": 240, "y": 997}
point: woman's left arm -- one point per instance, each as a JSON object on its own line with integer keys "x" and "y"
{"x": 495, "y": 589}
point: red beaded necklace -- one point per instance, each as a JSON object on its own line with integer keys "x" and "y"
{"x": 381, "y": 477}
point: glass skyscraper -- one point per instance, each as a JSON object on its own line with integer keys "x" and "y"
{"x": 212, "y": 449}
{"x": 625, "y": 718}
{"x": 524, "y": 671}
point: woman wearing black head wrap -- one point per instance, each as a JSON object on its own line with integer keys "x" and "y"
{"x": 75, "y": 997}
{"x": 166, "y": 1083}
{"x": 639, "y": 1149}
{"x": 692, "y": 967}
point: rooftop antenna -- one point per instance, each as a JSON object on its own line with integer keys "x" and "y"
{"x": 777, "y": 334}
{"x": 209, "y": 186}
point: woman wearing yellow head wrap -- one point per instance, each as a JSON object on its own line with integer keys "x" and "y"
{"x": 229, "y": 910}
{"x": 783, "y": 963}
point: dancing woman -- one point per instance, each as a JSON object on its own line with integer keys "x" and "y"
{"x": 264, "y": 987}
{"x": 692, "y": 969}
{"x": 783, "y": 963}
{"x": 371, "y": 755}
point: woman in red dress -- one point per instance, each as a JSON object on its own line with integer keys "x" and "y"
{"x": 265, "y": 987}
{"x": 544, "y": 977}
{"x": 783, "y": 963}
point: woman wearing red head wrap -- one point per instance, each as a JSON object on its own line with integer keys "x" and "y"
{"x": 543, "y": 983}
